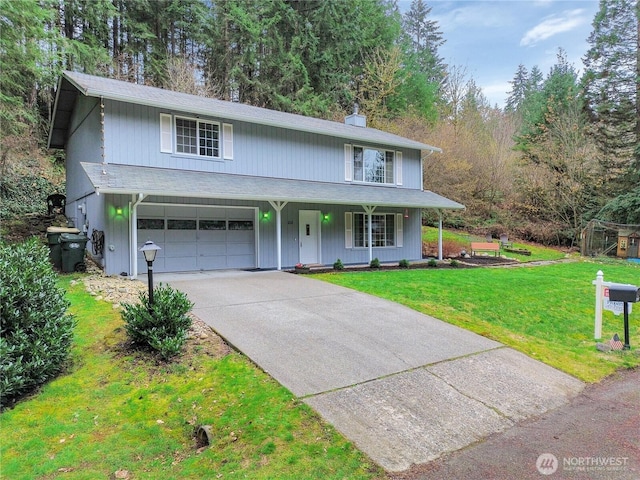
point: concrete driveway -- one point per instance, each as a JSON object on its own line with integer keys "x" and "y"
{"x": 403, "y": 386}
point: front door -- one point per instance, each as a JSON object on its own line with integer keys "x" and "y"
{"x": 309, "y": 236}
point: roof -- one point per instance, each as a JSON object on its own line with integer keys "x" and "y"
{"x": 129, "y": 179}
{"x": 71, "y": 83}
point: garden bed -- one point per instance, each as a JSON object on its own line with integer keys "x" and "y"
{"x": 459, "y": 262}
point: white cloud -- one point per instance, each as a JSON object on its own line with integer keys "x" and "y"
{"x": 496, "y": 93}
{"x": 553, "y": 25}
{"x": 480, "y": 15}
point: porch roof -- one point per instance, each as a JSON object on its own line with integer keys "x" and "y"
{"x": 128, "y": 179}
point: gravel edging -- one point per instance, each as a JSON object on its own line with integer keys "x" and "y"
{"x": 119, "y": 290}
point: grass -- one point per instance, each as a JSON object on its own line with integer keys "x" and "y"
{"x": 462, "y": 240}
{"x": 546, "y": 312}
{"x": 116, "y": 410}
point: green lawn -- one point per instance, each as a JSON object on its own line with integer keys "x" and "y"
{"x": 546, "y": 312}
{"x": 116, "y": 411}
{"x": 463, "y": 240}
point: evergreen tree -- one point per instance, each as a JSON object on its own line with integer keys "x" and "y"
{"x": 23, "y": 62}
{"x": 536, "y": 79}
{"x": 558, "y": 90}
{"x": 519, "y": 87}
{"x": 425, "y": 40}
{"x": 612, "y": 89}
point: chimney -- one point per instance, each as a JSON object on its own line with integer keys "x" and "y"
{"x": 355, "y": 119}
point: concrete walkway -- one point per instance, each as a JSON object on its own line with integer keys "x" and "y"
{"x": 403, "y": 386}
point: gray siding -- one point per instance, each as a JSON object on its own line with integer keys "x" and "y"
{"x": 132, "y": 136}
{"x": 116, "y": 234}
{"x": 332, "y": 233}
{"x": 83, "y": 145}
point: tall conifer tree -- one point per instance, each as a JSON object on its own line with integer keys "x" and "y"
{"x": 612, "y": 89}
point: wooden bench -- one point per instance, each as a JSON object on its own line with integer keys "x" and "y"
{"x": 485, "y": 247}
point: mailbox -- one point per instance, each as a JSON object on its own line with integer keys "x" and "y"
{"x": 624, "y": 293}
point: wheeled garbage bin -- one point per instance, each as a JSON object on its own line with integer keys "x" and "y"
{"x": 55, "y": 249}
{"x": 73, "y": 246}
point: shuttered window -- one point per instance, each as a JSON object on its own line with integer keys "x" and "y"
{"x": 191, "y": 136}
{"x": 383, "y": 230}
{"x": 371, "y": 165}
{"x": 398, "y": 168}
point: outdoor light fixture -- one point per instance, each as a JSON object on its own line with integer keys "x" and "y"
{"x": 325, "y": 217}
{"x": 119, "y": 211}
{"x": 149, "y": 250}
{"x": 265, "y": 215}
{"x": 406, "y": 213}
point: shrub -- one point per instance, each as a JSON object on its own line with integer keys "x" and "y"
{"x": 432, "y": 263}
{"x": 35, "y": 330}
{"x": 454, "y": 263}
{"x": 450, "y": 248}
{"x": 338, "y": 265}
{"x": 163, "y": 328}
{"x": 375, "y": 263}
{"x": 403, "y": 263}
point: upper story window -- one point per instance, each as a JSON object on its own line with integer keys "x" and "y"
{"x": 197, "y": 137}
{"x": 372, "y": 165}
{"x": 191, "y": 136}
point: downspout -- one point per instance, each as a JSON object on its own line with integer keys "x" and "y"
{"x": 133, "y": 234}
{"x": 102, "y": 145}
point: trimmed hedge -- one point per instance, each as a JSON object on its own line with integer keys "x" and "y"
{"x": 35, "y": 330}
{"x": 163, "y": 328}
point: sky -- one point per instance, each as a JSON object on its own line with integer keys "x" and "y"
{"x": 491, "y": 38}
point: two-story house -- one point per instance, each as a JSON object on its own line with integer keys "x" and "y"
{"x": 222, "y": 185}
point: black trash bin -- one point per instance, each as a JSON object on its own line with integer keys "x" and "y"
{"x": 73, "y": 246}
{"x": 55, "y": 249}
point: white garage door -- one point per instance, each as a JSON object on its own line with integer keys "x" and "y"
{"x": 198, "y": 238}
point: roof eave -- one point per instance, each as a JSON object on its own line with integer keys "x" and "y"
{"x": 266, "y": 198}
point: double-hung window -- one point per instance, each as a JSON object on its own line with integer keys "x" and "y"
{"x": 382, "y": 230}
{"x": 372, "y": 165}
{"x": 197, "y": 137}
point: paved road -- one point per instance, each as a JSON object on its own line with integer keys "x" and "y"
{"x": 595, "y": 437}
{"x": 404, "y": 387}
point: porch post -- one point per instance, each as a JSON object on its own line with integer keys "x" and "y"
{"x": 278, "y": 206}
{"x": 439, "y": 234}
{"x": 369, "y": 209}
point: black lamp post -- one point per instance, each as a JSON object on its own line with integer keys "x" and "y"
{"x": 149, "y": 250}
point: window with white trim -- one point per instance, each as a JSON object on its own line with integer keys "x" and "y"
{"x": 197, "y": 137}
{"x": 372, "y": 165}
{"x": 383, "y": 229}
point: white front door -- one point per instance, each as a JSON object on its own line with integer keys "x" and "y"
{"x": 309, "y": 236}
